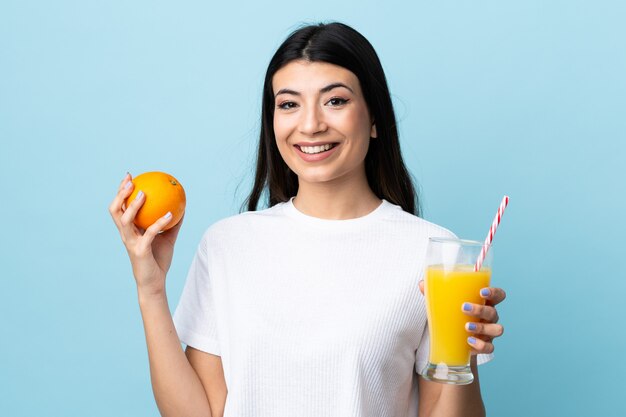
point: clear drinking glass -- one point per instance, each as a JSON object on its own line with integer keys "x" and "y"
{"x": 450, "y": 281}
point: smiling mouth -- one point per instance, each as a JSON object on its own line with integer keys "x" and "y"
{"x": 313, "y": 150}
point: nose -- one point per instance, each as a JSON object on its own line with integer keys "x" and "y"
{"x": 312, "y": 121}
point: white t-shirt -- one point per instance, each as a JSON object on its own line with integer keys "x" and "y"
{"x": 312, "y": 317}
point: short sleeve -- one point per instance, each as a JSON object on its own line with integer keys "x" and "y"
{"x": 421, "y": 355}
{"x": 195, "y": 319}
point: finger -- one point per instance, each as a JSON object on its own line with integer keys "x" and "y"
{"x": 128, "y": 217}
{"x": 487, "y": 329}
{"x": 127, "y": 178}
{"x": 172, "y": 233}
{"x": 421, "y": 284}
{"x": 155, "y": 228}
{"x": 493, "y": 295}
{"x": 486, "y": 313}
{"x": 115, "y": 208}
{"x": 480, "y": 346}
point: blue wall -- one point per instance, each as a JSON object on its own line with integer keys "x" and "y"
{"x": 526, "y": 98}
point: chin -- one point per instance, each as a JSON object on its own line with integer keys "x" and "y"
{"x": 314, "y": 177}
{"x": 319, "y": 177}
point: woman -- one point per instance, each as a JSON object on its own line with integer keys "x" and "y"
{"x": 310, "y": 307}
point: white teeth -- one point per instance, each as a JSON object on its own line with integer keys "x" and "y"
{"x": 315, "y": 149}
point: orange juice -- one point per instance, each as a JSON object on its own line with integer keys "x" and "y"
{"x": 446, "y": 291}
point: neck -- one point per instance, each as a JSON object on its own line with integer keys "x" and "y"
{"x": 339, "y": 200}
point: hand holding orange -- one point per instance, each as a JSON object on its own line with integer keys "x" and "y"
{"x": 162, "y": 193}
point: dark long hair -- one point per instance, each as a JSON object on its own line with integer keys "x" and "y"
{"x": 338, "y": 44}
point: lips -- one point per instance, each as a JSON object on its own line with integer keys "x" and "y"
{"x": 314, "y": 143}
{"x": 316, "y": 149}
{"x": 315, "y": 157}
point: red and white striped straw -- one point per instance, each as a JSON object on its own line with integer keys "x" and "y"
{"x": 492, "y": 232}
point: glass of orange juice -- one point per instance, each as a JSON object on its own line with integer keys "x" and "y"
{"x": 451, "y": 281}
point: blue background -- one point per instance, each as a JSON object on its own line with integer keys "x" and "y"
{"x": 526, "y": 98}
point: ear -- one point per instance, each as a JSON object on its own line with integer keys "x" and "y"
{"x": 373, "y": 133}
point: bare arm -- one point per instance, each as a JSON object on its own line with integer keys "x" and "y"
{"x": 442, "y": 400}
{"x": 178, "y": 389}
{"x": 209, "y": 369}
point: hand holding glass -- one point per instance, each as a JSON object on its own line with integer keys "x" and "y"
{"x": 451, "y": 281}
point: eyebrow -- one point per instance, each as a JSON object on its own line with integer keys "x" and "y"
{"x": 322, "y": 90}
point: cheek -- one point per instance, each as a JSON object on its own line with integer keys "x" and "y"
{"x": 281, "y": 129}
{"x": 362, "y": 130}
{"x": 357, "y": 123}
{"x": 276, "y": 127}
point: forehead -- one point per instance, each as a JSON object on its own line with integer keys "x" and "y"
{"x": 312, "y": 76}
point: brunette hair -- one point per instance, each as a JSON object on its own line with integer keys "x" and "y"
{"x": 338, "y": 44}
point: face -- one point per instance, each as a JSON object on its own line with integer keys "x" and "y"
{"x": 321, "y": 122}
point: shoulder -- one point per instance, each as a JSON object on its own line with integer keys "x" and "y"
{"x": 243, "y": 223}
{"x": 414, "y": 224}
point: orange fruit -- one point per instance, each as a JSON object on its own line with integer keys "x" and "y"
{"x": 162, "y": 193}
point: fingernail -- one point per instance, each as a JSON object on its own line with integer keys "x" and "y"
{"x": 139, "y": 195}
{"x": 128, "y": 184}
{"x": 168, "y": 215}
{"x": 467, "y": 306}
{"x": 471, "y": 326}
{"x": 485, "y": 292}
{"x": 471, "y": 340}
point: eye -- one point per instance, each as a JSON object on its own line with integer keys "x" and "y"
{"x": 286, "y": 105}
{"x": 337, "y": 101}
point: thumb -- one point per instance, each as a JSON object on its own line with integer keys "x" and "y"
{"x": 172, "y": 233}
{"x": 421, "y": 284}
